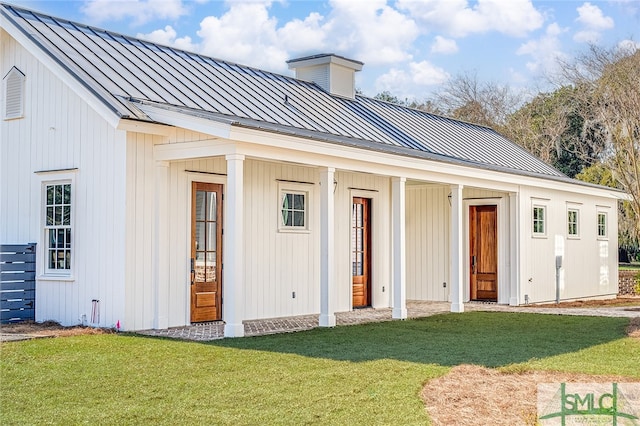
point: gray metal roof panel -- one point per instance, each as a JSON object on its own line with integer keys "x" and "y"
{"x": 358, "y": 143}
{"x": 116, "y": 67}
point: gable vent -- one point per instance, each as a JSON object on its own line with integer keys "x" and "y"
{"x": 14, "y": 94}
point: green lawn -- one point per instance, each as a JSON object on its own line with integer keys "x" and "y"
{"x": 629, "y": 266}
{"x": 368, "y": 374}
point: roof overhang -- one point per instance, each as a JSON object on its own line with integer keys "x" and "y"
{"x": 389, "y": 159}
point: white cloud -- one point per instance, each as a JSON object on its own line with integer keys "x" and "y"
{"x": 591, "y": 16}
{"x": 245, "y": 34}
{"x": 371, "y": 31}
{"x": 426, "y": 74}
{"x": 444, "y": 45}
{"x": 394, "y": 81}
{"x": 302, "y": 35}
{"x": 545, "y": 51}
{"x": 168, "y": 37}
{"x": 458, "y": 19}
{"x": 141, "y": 11}
{"x": 409, "y": 83}
{"x": 628, "y": 45}
{"x": 593, "y": 23}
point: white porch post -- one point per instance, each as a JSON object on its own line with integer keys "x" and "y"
{"x": 233, "y": 253}
{"x": 161, "y": 247}
{"x": 456, "y": 245}
{"x": 514, "y": 245}
{"x": 399, "y": 247}
{"x": 327, "y": 249}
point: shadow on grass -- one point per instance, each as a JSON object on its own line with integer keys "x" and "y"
{"x": 490, "y": 339}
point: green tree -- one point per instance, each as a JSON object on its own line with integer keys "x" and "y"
{"x": 611, "y": 78}
{"x": 387, "y": 96}
{"x": 600, "y": 174}
{"x": 552, "y": 127}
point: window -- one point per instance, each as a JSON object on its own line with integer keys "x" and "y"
{"x": 602, "y": 225}
{"x": 293, "y": 210}
{"x": 14, "y": 94}
{"x": 58, "y": 227}
{"x": 539, "y": 226}
{"x": 294, "y": 213}
{"x": 572, "y": 222}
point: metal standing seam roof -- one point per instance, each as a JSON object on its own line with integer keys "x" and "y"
{"x": 122, "y": 71}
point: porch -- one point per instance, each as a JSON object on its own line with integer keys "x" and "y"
{"x": 215, "y": 330}
{"x": 415, "y": 309}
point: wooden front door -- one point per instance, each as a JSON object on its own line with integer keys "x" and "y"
{"x": 361, "y": 251}
{"x": 483, "y": 249}
{"x": 206, "y": 252}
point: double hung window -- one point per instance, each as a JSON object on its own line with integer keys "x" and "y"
{"x": 58, "y": 227}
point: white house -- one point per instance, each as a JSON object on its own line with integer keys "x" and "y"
{"x": 165, "y": 188}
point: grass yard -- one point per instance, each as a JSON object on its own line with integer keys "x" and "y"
{"x": 366, "y": 374}
{"x": 629, "y": 266}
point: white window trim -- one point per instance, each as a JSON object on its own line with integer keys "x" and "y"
{"x": 294, "y": 188}
{"x": 543, "y": 234}
{"x": 56, "y": 178}
{"x": 575, "y": 236}
{"x": 606, "y": 225}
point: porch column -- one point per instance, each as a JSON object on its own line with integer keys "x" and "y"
{"x": 514, "y": 245}
{"x": 161, "y": 247}
{"x": 327, "y": 249}
{"x": 233, "y": 254}
{"x": 456, "y": 244}
{"x": 399, "y": 247}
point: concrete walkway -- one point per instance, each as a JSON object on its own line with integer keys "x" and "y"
{"x": 14, "y": 337}
{"x": 415, "y": 309}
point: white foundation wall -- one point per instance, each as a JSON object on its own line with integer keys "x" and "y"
{"x": 590, "y": 263}
{"x": 60, "y": 131}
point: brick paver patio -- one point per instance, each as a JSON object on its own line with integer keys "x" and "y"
{"x": 415, "y": 309}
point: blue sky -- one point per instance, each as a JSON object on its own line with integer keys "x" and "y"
{"x": 409, "y": 47}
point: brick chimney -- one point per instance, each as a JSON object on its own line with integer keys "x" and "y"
{"x": 334, "y": 74}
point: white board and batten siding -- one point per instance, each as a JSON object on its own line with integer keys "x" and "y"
{"x": 428, "y": 238}
{"x": 59, "y": 131}
{"x": 282, "y": 267}
{"x": 590, "y": 262}
{"x": 378, "y": 190}
{"x": 281, "y": 276}
{"x": 280, "y": 264}
{"x": 428, "y": 217}
{"x": 142, "y": 189}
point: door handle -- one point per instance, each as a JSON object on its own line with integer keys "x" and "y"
{"x": 193, "y": 271}
{"x": 473, "y": 264}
